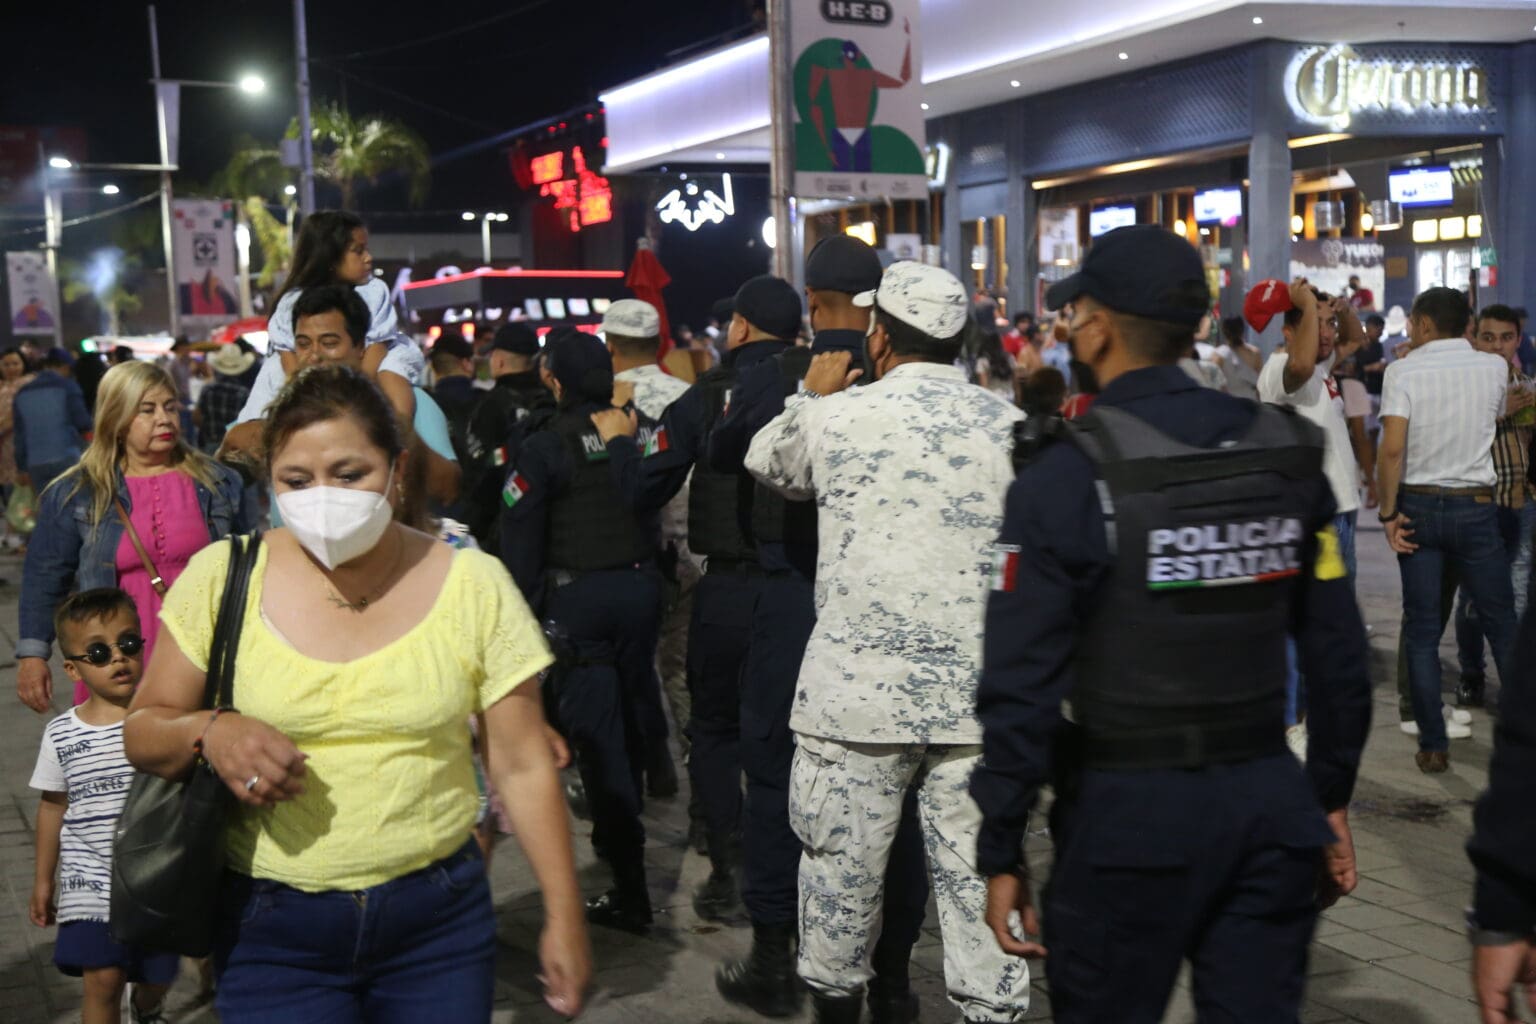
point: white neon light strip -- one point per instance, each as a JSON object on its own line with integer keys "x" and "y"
{"x": 755, "y": 48}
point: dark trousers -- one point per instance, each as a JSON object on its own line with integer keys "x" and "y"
{"x": 781, "y": 627}
{"x": 606, "y": 698}
{"x": 419, "y": 947}
{"x": 1463, "y": 532}
{"x": 719, "y": 638}
{"x": 1217, "y": 865}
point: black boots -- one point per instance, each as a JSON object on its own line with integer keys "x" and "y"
{"x": 716, "y": 899}
{"x": 892, "y": 1002}
{"x": 627, "y": 906}
{"x": 1470, "y": 691}
{"x": 765, "y": 982}
{"x": 837, "y": 1009}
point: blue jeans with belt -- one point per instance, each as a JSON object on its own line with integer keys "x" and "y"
{"x": 1463, "y": 531}
{"x": 419, "y": 947}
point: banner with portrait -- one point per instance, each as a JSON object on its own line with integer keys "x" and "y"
{"x": 32, "y": 293}
{"x": 203, "y": 240}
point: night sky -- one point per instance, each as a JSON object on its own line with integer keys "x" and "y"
{"x": 456, "y": 72}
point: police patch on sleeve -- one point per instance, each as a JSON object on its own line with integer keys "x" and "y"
{"x": 1330, "y": 562}
{"x": 1225, "y": 554}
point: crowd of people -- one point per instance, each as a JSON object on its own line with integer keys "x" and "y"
{"x": 876, "y": 588}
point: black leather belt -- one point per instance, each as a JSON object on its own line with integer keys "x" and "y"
{"x": 1192, "y": 746}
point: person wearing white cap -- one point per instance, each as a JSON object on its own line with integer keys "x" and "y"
{"x": 222, "y": 400}
{"x": 632, "y": 329}
{"x": 909, "y": 475}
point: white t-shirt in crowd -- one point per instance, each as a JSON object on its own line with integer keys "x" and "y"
{"x": 87, "y": 763}
{"x": 1452, "y": 396}
{"x": 1320, "y": 401}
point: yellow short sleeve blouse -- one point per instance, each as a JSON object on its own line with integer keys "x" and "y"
{"x": 391, "y": 785}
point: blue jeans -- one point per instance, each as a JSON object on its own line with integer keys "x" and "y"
{"x": 419, "y": 947}
{"x": 1515, "y": 527}
{"x": 1465, "y": 532}
{"x": 1295, "y": 686}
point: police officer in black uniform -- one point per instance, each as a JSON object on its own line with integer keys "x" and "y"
{"x": 1153, "y": 559}
{"x": 766, "y": 312}
{"x": 516, "y": 400}
{"x": 585, "y": 560}
{"x": 838, "y": 268}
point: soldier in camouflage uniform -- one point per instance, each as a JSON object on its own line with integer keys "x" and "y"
{"x": 909, "y": 475}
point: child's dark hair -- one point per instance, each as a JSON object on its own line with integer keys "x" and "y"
{"x": 329, "y": 392}
{"x": 91, "y": 606}
{"x": 1042, "y": 392}
{"x": 320, "y": 247}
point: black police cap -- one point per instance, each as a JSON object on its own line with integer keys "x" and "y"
{"x": 842, "y": 263}
{"x": 1144, "y": 270}
{"x": 770, "y": 304}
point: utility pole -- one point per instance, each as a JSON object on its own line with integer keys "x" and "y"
{"x": 162, "y": 118}
{"x": 781, "y": 106}
{"x": 53, "y": 237}
{"x": 306, "y": 137}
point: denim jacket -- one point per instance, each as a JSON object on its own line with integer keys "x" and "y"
{"x": 67, "y": 552}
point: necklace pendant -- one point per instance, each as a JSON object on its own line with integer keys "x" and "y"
{"x": 362, "y": 603}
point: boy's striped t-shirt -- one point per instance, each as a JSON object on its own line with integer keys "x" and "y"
{"x": 87, "y": 763}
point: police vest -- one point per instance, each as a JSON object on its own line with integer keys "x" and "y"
{"x": 1183, "y": 659}
{"x": 495, "y": 426}
{"x": 775, "y": 518}
{"x": 590, "y": 528}
{"x": 715, "y": 500}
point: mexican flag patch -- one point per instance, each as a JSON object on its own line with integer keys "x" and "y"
{"x": 500, "y": 456}
{"x": 1005, "y": 568}
{"x": 514, "y": 490}
{"x": 658, "y": 442}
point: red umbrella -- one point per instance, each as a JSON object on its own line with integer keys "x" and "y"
{"x": 646, "y": 279}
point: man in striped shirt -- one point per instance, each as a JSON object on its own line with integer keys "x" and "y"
{"x": 1439, "y": 411}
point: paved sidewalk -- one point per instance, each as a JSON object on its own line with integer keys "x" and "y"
{"x": 1393, "y": 953}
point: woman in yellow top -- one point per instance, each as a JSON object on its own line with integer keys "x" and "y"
{"x": 355, "y": 891}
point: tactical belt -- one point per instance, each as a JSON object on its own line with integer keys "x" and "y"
{"x": 733, "y": 566}
{"x": 1192, "y": 746}
{"x": 1448, "y": 492}
{"x": 565, "y": 577}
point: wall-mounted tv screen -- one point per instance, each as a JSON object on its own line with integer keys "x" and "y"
{"x": 1421, "y": 186}
{"x": 1108, "y": 218}
{"x": 1222, "y": 206}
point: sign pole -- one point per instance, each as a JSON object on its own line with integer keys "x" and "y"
{"x": 306, "y": 135}
{"x": 173, "y": 296}
{"x": 781, "y": 106}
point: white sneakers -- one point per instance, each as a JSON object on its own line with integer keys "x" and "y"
{"x": 1458, "y": 723}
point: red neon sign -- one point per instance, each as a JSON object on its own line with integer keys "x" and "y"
{"x": 589, "y": 196}
{"x": 547, "y": 168}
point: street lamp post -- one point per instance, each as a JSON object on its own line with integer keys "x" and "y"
{"x": 306, "y": 133}
{"x": 167, "y": 118}
{"x": 485, "y": 232}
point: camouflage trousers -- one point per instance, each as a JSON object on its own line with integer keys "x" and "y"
{"x": 845, "y": 804}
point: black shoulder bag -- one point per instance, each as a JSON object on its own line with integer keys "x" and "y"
{"x": 168, "y": 855}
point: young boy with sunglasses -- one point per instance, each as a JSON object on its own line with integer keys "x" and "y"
{"x": 84, "y": 778}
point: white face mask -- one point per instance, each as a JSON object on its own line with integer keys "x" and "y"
{"x": 337, "y": 524}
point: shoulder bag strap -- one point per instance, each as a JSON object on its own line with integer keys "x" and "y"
{"x": 155, "y": 579}
{"x": 218, "y": 690}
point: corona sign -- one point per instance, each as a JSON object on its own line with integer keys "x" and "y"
{"x": 1328, "y": 85}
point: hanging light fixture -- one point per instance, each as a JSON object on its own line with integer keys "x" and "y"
{"x": 1387, "y": 214}
{"x": 1328, "y": 214}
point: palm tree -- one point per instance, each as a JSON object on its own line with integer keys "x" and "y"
{"x": 254, "y": 172}
{"x": 349, "y": 150}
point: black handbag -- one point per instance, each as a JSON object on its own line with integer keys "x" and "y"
{"x": 168, "y": 854}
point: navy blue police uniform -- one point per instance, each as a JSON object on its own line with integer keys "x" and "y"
{"x": 1150, "y": 566}
{"x": 585, "y": 559}
{"x": 721, "y": 628}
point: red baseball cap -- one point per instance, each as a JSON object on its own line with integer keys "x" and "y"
{"x": 1265, "y": 300}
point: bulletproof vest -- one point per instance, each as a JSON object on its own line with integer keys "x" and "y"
{"x": 775, "y": 518}
{"x": 494, "y": 428}
{"x": 715, "y": 500}
{"x": 590, "y": 528}
{"x": 1189, "y": 633}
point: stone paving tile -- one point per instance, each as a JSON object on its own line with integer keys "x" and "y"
{"x": 1383, "y": 997}
{"x": 1431, "y": 940}
{"x": 1446, "y": 915}
{"x": 1362, "y": 946}
{"x": 1365, "y": 917}
{"x": 1418, "y": 880}
{"x": 1452, "y": 979}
